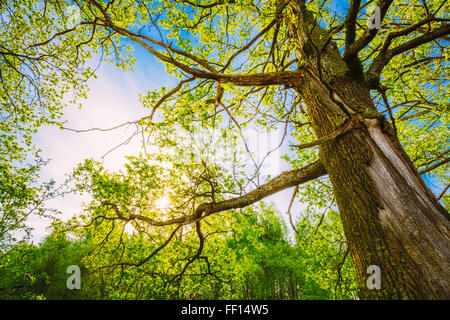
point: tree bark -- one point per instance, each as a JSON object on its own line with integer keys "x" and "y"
{"x": 390, "y": 218}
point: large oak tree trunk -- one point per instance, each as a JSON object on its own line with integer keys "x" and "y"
{"x": 390, "y": 218}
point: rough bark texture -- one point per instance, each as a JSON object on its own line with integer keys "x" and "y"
{"x": 390, "y": 218}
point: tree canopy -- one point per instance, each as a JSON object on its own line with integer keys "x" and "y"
{"x": 185, "y": 215}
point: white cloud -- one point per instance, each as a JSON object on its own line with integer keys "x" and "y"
{"x": 113, "y": 99}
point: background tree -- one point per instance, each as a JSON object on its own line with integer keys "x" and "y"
{"x": 38, "y": 272}
{"x": 254, "y": 260}
{"x": 37, "y": 70}
{"x": 327, "y": 79}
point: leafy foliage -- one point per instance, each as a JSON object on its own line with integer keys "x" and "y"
{"x": 153, "y": 230}
{"x": 252, "y": 260}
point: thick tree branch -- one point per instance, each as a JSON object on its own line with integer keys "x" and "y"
{"x": 353, "y": 123}
{"x": 208, "y": 6}
{"x": 370, "y": 34}
{"x": 374, "y": 72}
{"x": 436, "y": 34}
{"x": 263, "y": 79}
{"x": 350, "y": 22}
{"x": 351, "y": 51}
{"x": 437, "y": 165}
{"x": 283, "y": 181}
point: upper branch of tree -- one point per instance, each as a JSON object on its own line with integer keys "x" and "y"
{"x": 353, "y": 47}
{"x": 207, "y": 6}
{"x": 262, "y": 79}
{"x": 350, "y": 22}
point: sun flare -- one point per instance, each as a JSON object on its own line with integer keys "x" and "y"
{"x": 162, "y": 203}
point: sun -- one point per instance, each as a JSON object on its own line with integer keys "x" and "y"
{"x": 162, "y": 203}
